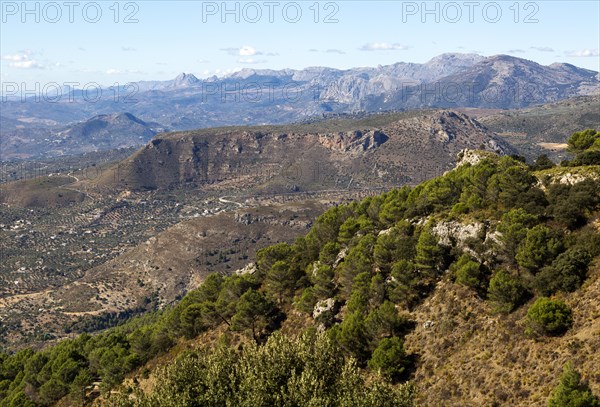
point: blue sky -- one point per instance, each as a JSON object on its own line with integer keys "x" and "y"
{"x": 86, "y": 41}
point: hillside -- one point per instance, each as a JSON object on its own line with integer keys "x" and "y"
{"x": 543, "y": 129}
{"x": 99, "y": 133}
{"x": 473, "y": 288}
{"x": 377, "y": 151}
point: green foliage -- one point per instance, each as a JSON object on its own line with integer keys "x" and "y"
{"x": 329, "y": 253}
{"x": 394, "y": 205}
{"x": 397, "y": 244}
{"x": 548, "y": 317}
{"x": 582, "y": 140}
{"x": 571, "y": 204}
{"x": 354, "y": 227}
{"x": 515, "y": 187}
{"x": 282, "y": 280}
{"x": 566, "y": 273}
{"x": 539, "y": 247}
{"x": 571, "y": 391}
{"x": 469, "y": 273}
{"x": 267, "y": 257}
{"x": 307, "y": 301}
{"x": 506, "y": 291}
{"x": 353, "y": 337}
{"x": 231, "y": 291}
{"x": 389, "y": 359}
{"x": 513, "y": 226}
{"x": 254, "y": 313}
{"x": 542, "y": 163}
{"x": 359, "y": 260}
{"x": 308, "y": 371}
{"x": 406, "y": 283}
{"x": 384, "y": 321}
{"x": 429, "y": 255}
{"x": 322, "y": 278}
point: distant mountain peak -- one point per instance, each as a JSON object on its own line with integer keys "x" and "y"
{"x": 185, "y": 79}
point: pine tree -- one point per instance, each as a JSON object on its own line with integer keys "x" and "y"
{"x": 572, "y": 392}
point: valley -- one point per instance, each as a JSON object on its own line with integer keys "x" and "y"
{"x": 434, "y": 250}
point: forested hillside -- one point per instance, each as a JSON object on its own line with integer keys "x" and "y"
{"x": 335, "y": 319}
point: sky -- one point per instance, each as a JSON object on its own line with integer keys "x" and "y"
{"x": 108, "y": 42}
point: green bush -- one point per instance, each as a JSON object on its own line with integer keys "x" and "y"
{"x": 566, "y": 273}
{"x": 548, "y": 317}
{"x": 506, "y": 291}
{"x": 389, "y": 359}
{"x": 571, "y": 392}
{"x": 539, "y": 247}
{"x": 469, "y": 273}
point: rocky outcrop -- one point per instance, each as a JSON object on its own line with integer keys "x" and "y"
{"x": 472, "y": 157}
{"x": 250, "y": 268}
{"x": 328, "y": 305}
{"x": 354, "y": 141}
{"x": 456, "y": 234}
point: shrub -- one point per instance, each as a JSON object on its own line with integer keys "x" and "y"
{"x": 506, "y": 291}
{"x": 549, "y": 317}
{"x": 539, "y": 247}
{"x": 389, "y": 359}
{"x": 566, "y": 273}
{"x": 571, "y": 392}
{"x": 469, "y": 273}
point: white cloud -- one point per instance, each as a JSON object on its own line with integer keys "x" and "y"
{"x": 128, "y": 49}
{"x": 515, "y": 51}
{"x": 31, "y": 64}
{"x": 383, "y": 46}
{"x": 542, "y": 49}
{"x": 231, "y": 51}
{"x": 335, "y": 51}
{"x": 22, "y": 60}
{"x": 247, "y": 51}
{"x": 113, "y": 71}
{"x": 250, "y": 61}
{"x": 584, "y": 53}
{"x": 15, "y": 57}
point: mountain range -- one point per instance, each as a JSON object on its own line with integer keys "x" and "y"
{"x": 250, "y": 97}
{"x": 99, "y": 133}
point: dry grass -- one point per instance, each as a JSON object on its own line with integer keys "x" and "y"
{"x": 471, "y": 357}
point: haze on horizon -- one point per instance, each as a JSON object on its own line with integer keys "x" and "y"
{"x": 122, "y": 42}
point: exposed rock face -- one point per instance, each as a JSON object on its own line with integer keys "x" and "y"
{"x": 403, "y": 148}
{"x": 471, "y": 157}
{"x": 573, "y": 178}
{"x": 250, "y": 268}
{"x": 323, "y": 306}
{"x": 455, "y": 234}
{"x": 354, "y": 141}
{"x": 340, "y": 257}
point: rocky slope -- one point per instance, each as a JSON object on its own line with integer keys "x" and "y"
{"x": 380, "y": 151}
{"x": 99, "y": 133}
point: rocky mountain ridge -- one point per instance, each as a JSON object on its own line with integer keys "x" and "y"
{"x": 251, "y": 97}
